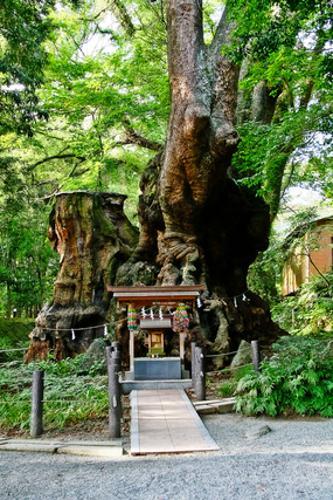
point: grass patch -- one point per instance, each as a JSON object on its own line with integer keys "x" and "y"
{"x": 228, "y": 386}
{"x": 72, "y": 394}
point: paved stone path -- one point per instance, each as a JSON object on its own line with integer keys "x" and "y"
{"x": 164, "y": 421}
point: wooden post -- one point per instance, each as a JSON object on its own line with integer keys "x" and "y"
{"x": 36, "y": 422}
{"x": 113, "y": 364}
{"x": 255, "y": 354}
{"x": 131, "y": 350}
{"x": 199, "y": 374}
{"x": 115, "y": 349}
{"x": 182, "y": 345}
{"x": 193, "y": 344}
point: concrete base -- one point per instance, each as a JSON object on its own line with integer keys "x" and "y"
{"x": 226, "y": 405}
{"x": 106, "y": 449}
{"x": 140, "y": 385}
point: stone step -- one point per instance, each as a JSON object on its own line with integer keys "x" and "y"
{"x": 225, "y": 405}
{"x": 141, "y": 385}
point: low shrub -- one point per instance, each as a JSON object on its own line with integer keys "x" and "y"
{"x": 297, "y": 379}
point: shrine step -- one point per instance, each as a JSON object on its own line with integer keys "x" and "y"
{"x": 141, "y": 385}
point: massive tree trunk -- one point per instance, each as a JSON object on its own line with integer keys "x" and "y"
{"x": 93, "y": 237}
{"x": 196, "y": 223}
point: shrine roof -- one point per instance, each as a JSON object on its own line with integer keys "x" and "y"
{"x": 144, "y": 294}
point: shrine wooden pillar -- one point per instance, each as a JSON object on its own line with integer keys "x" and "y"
{"x": 131, "y": 350}
{"x": 182, "y": 337}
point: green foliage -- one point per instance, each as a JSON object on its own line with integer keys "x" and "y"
{"x": 310, "y": 311}
{"x": 227, "y": 388}
{"x": 14, "y": 335}
{"x": 73, "y": 394}
{"x": 297, "y": 379}
{"x": 285, "y": 48}
{"x": 14, "y": 332}
{"x": 265, "y": 273}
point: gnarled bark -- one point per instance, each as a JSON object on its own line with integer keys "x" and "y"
{"x": 196, "y": 223}
{"x": 93, "y": 237}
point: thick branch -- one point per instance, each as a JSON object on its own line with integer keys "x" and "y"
{"x": 221, "y": 36}
{"x": 124, "y": 17}
{"x": 186, "y": 54}
{"x": 224, "y": 76}
{"x": 263, "y": 103}
{"x": 56, "y": 157}
{"x": 133, "y": 137}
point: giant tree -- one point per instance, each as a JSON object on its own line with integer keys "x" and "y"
{"x": 199, "y": 220}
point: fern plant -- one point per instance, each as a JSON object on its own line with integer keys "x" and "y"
{"x": 297, "y": 379}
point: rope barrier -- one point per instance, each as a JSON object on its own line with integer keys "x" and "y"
{"x": 103, "y": 325}
{"x": 10, "y": 363}
{"x": 229, "y": 369}
{"x": 222, "y": 354}
{"x": 18, "y": 349}
{"x": 225, "y": 353}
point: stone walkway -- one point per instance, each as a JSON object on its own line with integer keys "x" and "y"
{"x": 165, "y": 421}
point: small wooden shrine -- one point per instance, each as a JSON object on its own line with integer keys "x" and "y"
{"x": 157, "y": 313}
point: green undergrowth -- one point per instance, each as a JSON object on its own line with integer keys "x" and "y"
{"x": 14, "y": 334}
{"x": 310, "y": 311}
{"x": 298, "y": 379}
{"x": 73, "y": 393}
{"x": 228, "y": 386}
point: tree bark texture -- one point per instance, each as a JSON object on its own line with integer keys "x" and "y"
{"x": 196, "y": 224}
{"x": 93, "y": 237}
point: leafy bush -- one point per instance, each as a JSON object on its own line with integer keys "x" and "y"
{"x": 228, "y": 386}
{"x": 310, "y": 311}
{"x": 297, "y": 379}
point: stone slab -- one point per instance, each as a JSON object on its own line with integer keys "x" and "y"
{"x": 226, "y": 405}
{"x": 111, "y": 448}
{"x": 92, "y": 451}
{"x": 110, "y": 442}
{"x": 29, "y": 447}
{"x": 141, "y": 385}
{"x": 165, "y": 421}
{"x": 51, "y": 442}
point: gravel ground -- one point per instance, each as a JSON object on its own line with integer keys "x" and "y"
{"x": 238, "y": 434}
{"x": 293, "y": 461}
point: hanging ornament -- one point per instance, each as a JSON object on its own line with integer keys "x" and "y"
{"x": 160, "y": 313}
{"x": 73, "y": 334}
{"x": 105, "y": 330}
{"x": 181, "y": 320}
{"x": 132, "y": 322}
{"x": 143, "y": 313}
{"x": 244, "y": 297}
{"x": 199, "y": 303}
{"x": 235, "y": 302}
{"x": 151, "y": 314}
